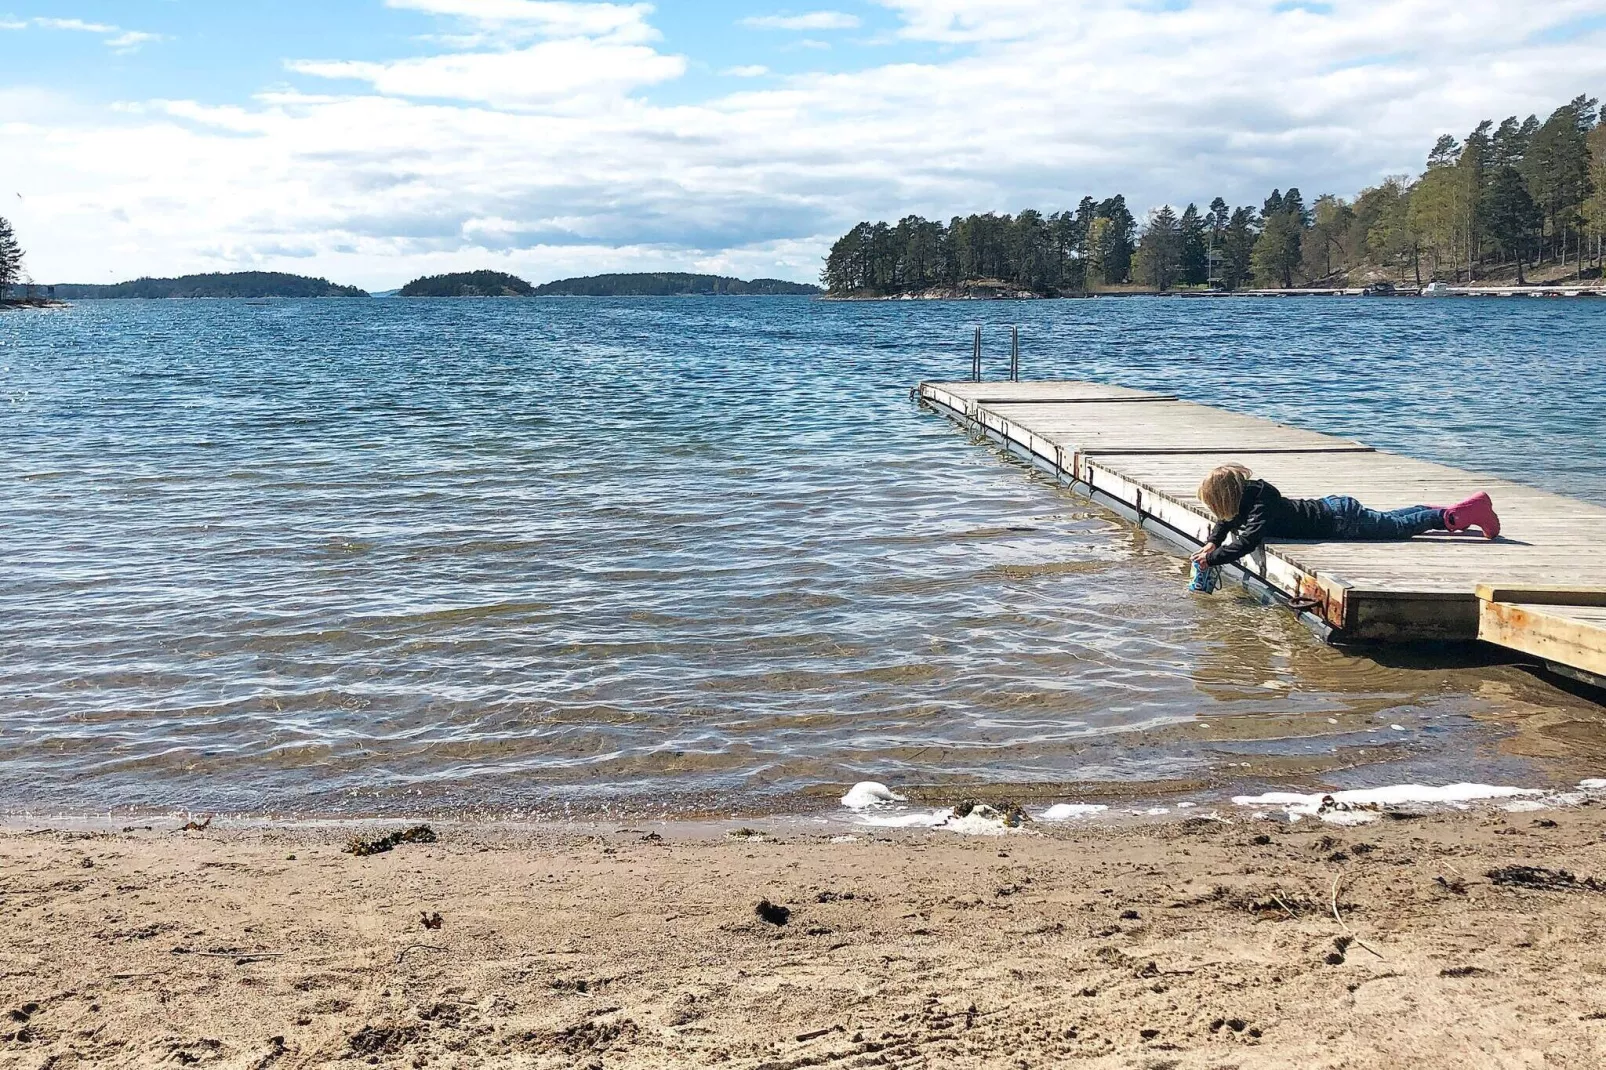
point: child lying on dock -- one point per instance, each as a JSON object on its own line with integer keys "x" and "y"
{"x": 1257, "y": 511}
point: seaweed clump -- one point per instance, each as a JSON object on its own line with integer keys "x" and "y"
{"x": 360, "y": 846}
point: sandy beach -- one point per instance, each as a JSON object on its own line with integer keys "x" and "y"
{"x": 1194, "y": 943}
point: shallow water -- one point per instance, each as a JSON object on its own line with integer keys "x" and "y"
{"x": 501, "y": 556}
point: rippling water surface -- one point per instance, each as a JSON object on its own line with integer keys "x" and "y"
{"x": 508, "y": 556}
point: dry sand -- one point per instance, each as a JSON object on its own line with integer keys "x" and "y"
{"x": 1192, "y": 944}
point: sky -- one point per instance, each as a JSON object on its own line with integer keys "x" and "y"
{"x": 372, "y": 141}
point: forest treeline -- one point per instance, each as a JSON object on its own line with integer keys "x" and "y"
{"x": 638, "y": 284}
{"x": 1506, "y": 199}
{"x": 671, "y": 284}
{"x": 234, "y": 284}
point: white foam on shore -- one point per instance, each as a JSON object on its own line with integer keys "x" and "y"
{"x": 1361, "y": 805}
{"x": 920, "y": 819}
{"x": 868, "y": 793}
{"x": 980, "y": 821}
{"x": 1070, "y": 811}
{"x": 1357, "y": 806}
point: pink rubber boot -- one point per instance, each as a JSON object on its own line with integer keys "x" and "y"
{"x": 1476, "y": 512}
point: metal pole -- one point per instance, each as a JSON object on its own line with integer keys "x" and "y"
{"x": 1014, "y": 355}
{"x": 975, "y": 359}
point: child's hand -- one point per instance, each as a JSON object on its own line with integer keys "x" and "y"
{"x": 1204, "y": 551}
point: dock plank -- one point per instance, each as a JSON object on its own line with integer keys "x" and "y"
{"x": 966, "y": 397}
{"x": 1571, "y": 636}
{"x": 1162, "y": 427}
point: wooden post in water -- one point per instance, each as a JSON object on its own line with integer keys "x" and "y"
{"x": 1014, "y": 354}
{"x": 975, "y": 359}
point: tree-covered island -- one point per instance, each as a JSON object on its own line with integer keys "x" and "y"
{"x": 672, "y": 284}
{"x": 638, "y": 284}
{"x": 236, "y": 284}
{"x": 468, "y": 284}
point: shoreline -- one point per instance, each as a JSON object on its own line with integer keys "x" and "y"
{"x": 1411, "y": 942}
{"x": 1528, "y": 290}
{"x": 879, "y": 807}
{"x": 872, "y": 809}
{"x": 35, "y": 302}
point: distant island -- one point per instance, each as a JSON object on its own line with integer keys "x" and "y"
{"x": 672, "y": 284}
{"x": 468, "y": 284}
{"x": 236, "y": 284}
{"x": 641, "y": 284}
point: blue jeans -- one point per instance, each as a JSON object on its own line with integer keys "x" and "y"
{"x": 1355, "y": 521}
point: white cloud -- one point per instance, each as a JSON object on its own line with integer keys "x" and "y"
{"x": 131, "y": 40}
{"x": 553, "y": 159}
{"x": 755, "y": 70}
{"x": 552, "y": 18}
{"x": 116, "y": 38}
{"x": 587, "y": 52}
{"x": 75, "y": 24}
{"x": 543, "y": 74}
{"x": 814, "y": 20}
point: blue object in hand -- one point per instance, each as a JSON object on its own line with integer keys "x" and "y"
{"x": 1205, "y": 578}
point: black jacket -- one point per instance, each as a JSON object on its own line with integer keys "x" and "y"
{"x": 1265, "y": 514}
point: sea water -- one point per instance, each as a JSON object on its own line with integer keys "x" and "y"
{"x": 692, "y": 555}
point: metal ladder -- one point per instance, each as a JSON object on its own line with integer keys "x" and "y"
{"x": 1014, "y": 356}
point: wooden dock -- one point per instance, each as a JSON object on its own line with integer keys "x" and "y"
{"x": 1143, "y": 454}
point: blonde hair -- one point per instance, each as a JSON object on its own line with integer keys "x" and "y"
{"x": 1223, "y": 490}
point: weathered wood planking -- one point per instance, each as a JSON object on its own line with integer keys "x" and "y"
{"x": 1571, "y": 636}
{"x": 1160, "y": 427}
{"x": 966, "y": 397}
{"x": 1147, "y": 453}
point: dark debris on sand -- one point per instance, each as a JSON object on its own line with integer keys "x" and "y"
{"x": 773, "y": 913}
{"x": 359, "y": 846}
{"x": 1541, "y": 879}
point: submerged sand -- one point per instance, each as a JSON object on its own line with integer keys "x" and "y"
{"x": 1191, "y": 944}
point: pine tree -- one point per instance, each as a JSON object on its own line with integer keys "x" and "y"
{"x": 10, "y": 256}
{"x": 1032, "y": 252}
{"x": 1238, "y": 248}
{"x": 1087, "y": 211}
{"x": 1158, "y": 260}
{"x": 1294, "y": 205}
{"x": 1445, "y": 152}
{"x": 1511, "y": 215}
{"x": 1555, "y": 168}
{"x": 1116, "y": 249}
{"x": 1066, "y": 235}
{"x": 1510, "y": 142}
{"x": 1278, "y": 252}
{"x": 1217, "y": 220}
{"x": 1195, "y": 269}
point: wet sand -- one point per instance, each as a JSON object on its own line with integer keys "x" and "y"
{"x": 1191, "y": 944}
